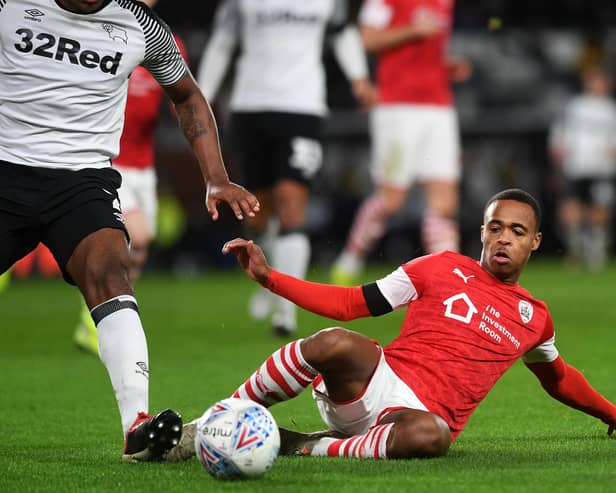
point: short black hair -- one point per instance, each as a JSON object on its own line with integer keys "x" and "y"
{"x": 518, "y": 195}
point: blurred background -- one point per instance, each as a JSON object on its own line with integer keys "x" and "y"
{"x": 526, "y": 57}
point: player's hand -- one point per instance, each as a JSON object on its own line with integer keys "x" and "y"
{"x": 241, "y": 201}
{"x": 425, "y": 25}
{"x": 610, "y": 429}
{"x": 250, "y": 257}
{"x": 365, "y": 93}
{"x": 459, "y": 70}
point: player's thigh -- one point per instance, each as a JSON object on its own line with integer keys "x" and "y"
{"x": 14, "y": 244}
{"x": 85, "y": 202}
{"x": 438, "y": 156}
{"x": 139, "y": 201}
{"x": 397, "y": 134}
{"x": 21, "y": 190}
{"x": 252, "y": 149}
{"x": 291, "y": 198}
{"x": 345, "y": 359}
{"x": 382, "y": 393}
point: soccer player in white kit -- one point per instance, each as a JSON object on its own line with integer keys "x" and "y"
{"x": 64, "y": 68}
{"x": 583, "y": 148}
{"x": 278, "y": 103}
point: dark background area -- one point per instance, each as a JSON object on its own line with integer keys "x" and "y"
{"x": 524, "y": 70}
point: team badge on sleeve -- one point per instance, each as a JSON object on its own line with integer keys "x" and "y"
{"x": 526, "y": 311}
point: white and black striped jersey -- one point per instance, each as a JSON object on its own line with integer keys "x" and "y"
{"x": 63, "y": 78}
{"x": 280, "y": 64}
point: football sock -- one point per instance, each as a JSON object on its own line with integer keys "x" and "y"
{"x": 281, "y": 377}
{"x": 290, "y": 255}
{"x": 123, "y": 350}
{"x": 371, "y": 445}
{"x": 595, "y": 248}
{"x": 439, "y": 233}
{"x": 574, "y": 241}
{"x": 368, "y": 226}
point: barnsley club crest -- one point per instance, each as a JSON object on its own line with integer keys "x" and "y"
{"x": 526, "y": 311}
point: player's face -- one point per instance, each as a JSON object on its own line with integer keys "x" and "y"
{"x": 509, "y": 235}
{"x": 82, "y": 6}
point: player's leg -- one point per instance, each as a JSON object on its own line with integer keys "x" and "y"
{"x": 385, "y": 420}
{"x": 87, "y": 236}
{"x": 291, "y": 248}
{"x": 263, "y": 229}
{"x": 396, "y": 134}
{"x": 571, "y": 215}
{"x": 252, "y": 147}
{"x": 439, "y": 174}
{"x": 602, "y": 195}
{"x": 19, "y": 187}
{"x": 439, "y": 229}
{"x": 345, "y": 359}
{"x": 401, "y": 434}
{"x": 297, "y": 156}
{"x": 369, "y": 226}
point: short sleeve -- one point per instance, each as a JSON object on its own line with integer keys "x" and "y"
{"x": 376, "y": 13}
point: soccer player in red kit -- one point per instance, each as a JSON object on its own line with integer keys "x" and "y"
{"x": 466, "y": 323}
{"x": 414, "y": 127}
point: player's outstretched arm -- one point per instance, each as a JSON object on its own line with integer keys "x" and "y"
{"x": 197, "y": 122}
{"x": 336, "y": 302}
{"x": 567, "y": 385}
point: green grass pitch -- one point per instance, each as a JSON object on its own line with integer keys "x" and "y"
{"x": 60, "y": 431}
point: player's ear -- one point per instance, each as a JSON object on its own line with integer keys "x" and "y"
{"x": 536, "y": 241}
{"x": 483, "y": 229}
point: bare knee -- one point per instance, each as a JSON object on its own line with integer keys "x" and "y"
{"x": 106, "y": 278}
{"x": 327, "y": 347}
{"x": 418, "y": 434}
{"x": 99, "y": 265}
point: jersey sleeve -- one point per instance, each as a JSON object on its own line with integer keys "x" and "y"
{"x": 376, "y": 13}
{"x": 163, "y": 58}
{"x": 339, "y": 17}
{"x": 546, "y": 351}
{"x": 219, "y": 49}
{"x": 397, "y": 288}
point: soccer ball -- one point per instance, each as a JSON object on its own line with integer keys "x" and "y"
{"x": 237, "y": 438}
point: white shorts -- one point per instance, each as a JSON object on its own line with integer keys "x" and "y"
{"x": 385, "y": 392}
{"x": 138, "y": 192}
{"x": 414, "y": 143}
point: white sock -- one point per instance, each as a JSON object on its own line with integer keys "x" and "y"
{"x": 350, "y": 262}
{"x": 291, "y": 255}
{"x": 123, "y": 350}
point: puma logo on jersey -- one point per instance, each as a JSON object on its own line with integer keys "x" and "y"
{"x": 66, "y": 50}
{"x": 458, "y": 272}
{"x": 116, "y": 33}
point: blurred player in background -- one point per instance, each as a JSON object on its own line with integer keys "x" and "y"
{"x": 138, "y": 191}
{"x": 467, "y": 322}
{"x": 583, "y": 149}
{"x": 414, "y": 128}
{"x": 278, "y": 103}
{"x": 64, "y": 69}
